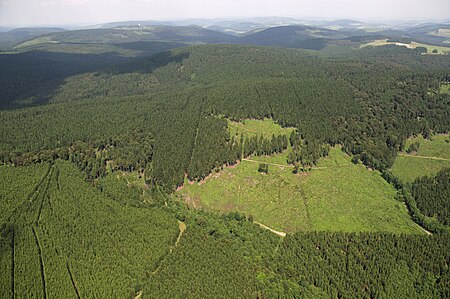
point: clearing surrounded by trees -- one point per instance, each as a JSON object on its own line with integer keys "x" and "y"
{"x": 335, "y": 195}
{"x": 430, "y": 157}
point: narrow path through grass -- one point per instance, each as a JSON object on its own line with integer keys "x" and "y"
{"x": 281, "y": 234}
{"x": 423, "y": 157}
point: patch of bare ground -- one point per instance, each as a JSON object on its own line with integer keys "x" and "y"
{"x": 423, "y": 157}
{"x": 213, "y": 174}
{"x": 228, "y": 208}
{"x": 279, "y": 233}
{"x": 192, "y": 201}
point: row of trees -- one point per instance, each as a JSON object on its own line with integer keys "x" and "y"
{"x": 305, "y": 153}
{"x": 260, "y": 146}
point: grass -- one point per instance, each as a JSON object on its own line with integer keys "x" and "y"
{"x": 36, "y": 41}
{"x": 337, "y": 196}
{"x": 133, "y": 178}
{"x": 410, "y": 167}
{"x": 445, "y": 88}
{"x": 441, "y": 32}
{"x": 412, "y": 45}
{"x": 251, "y": 127}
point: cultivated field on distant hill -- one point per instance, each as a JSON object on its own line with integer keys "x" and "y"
{"x": 412, "y": 45}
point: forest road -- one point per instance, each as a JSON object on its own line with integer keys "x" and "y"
{"x": 424, "y": 157}
{"x": 281, "y": 234}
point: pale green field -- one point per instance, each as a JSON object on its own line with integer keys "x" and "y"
{"x": 410, "y": 167}
{"x": 251, "y": 127}
{"x": 133, "y": 178}
{"x": 412, "y": 45}
{"x": 337, "y": 196}
{"x": 445, "y": 88}
{"x": 438, "y": 146}
{"x": 36, "y": 41}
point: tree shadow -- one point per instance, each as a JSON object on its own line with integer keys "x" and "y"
{"x": 32, "y": 78}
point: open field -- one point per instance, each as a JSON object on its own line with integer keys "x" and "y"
{"x": 251, "y": 127}
{"x": 441, "y": 32}
{"x": 336, "y": 196}
{"x": 431, "y": 157}
{"x": 412, "y": 45}
{"x": 445, "y": 88}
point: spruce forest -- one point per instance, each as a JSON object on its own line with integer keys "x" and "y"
{"x": 151, "y": 161}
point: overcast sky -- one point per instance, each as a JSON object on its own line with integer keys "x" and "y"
{"x": 58, "y": 12}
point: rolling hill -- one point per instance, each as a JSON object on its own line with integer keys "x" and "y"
{"x": 185, "y": 34}
{"x": 170, "y": 174}
{"x": 10, "y": 38}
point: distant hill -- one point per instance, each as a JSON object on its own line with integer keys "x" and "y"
{"x": 237, "y": 28}
{"x": 273, "y": 31}
{"x": 12, "y": 37}
{"x": 187, "y": 34}
{"x": 135, "y": 23}
{"x": 305, "y": 37}
{"x": 431, "y": 33}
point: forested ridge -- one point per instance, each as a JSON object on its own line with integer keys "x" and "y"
{"x": 368, "y": 103}
{"x": 72, "y": 226}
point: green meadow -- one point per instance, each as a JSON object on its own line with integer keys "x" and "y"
{"x": 251, "y": 127}
{"x": 432, "y": 156}
{"x": 445, "y": 88}
{"x": 336, "y": 195}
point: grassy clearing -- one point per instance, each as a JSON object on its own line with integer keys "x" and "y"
{"x": 410, "y": 167}
{"x": 445, "y": 88}
{"x": 133, "y": 178}
{"x": 36, "y": 41}
{"x": 251, "y": 127}
{"x": 339, "y": 196}
{"x": 438, "y": 146}
{"x": 412, "y": 45}
{"x": 441, "y": 32}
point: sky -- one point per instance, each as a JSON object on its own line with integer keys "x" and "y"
{"x": 65, "y": 12}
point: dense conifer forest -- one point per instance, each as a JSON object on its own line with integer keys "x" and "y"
{"x": 74, "y": 126}
{"x": 432, "y": 195}
{"x": 370, "y": 105}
